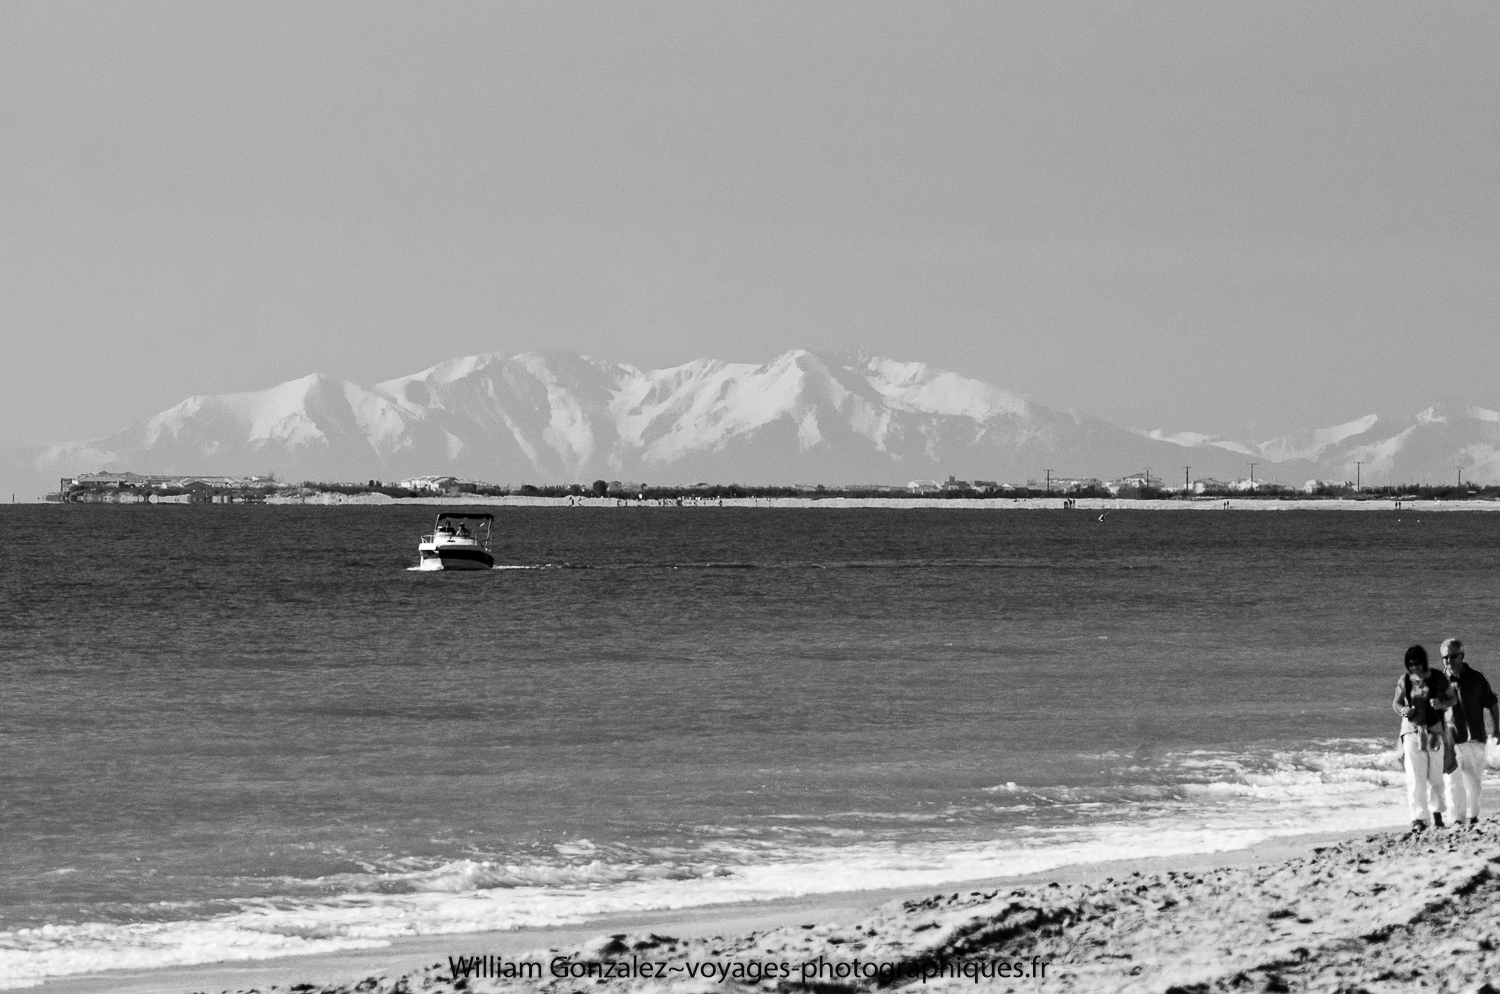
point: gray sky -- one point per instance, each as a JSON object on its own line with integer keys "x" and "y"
{"x": 1229, "y": 218}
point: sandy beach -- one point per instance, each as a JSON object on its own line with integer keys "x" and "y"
{"x": 1373, "y": 912}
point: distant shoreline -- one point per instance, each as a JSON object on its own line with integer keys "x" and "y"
{"x": 1096, "y": 504}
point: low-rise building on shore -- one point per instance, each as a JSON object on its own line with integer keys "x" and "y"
{"x": 129, "y": 488}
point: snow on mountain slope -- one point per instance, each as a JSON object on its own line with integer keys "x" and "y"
{"x": 912, "y": 386}
{"x": 1310, "y": 443}
{"x": 1437, "y": 445}
{"x": 1432, "y": 446}
{"x": 801, "y": 417}
{"x": 701, "y": 405}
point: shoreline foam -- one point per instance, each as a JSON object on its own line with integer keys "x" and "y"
{"x": 1221, "y": 803}
{"x": 1375, "y": 912}
{"x": 412, "y": 955}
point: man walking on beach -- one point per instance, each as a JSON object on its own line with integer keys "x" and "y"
{"x": 1467, "y": 720}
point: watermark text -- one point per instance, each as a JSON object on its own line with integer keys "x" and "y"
{"x": 753, "y": 971}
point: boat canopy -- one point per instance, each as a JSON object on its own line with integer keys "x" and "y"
{"x": 457, "y": 523}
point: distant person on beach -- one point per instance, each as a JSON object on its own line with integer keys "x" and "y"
{"x": 1422, "y": 696}
{"x": 1466, "y": 722}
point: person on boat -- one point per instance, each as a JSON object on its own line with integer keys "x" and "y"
{"x": 1422, "y": 695}
{"x": 1466, "y": 725}
{"x": 463, "y": 531}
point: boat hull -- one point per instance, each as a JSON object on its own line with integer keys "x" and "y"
{"x": 471, "y": 558}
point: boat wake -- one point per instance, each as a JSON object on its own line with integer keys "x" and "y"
{"x": 499, "y": 566}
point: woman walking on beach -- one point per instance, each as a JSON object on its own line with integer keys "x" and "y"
{"x": 1422, "y": 696}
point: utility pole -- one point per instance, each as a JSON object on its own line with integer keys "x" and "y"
{"x": 1186, "y": 483}
{"x": 1049, "y": 481}
{"x": 1252, "y": 475}
{"x": 1460, "y": 475}
{"x": 1357, "y": 465}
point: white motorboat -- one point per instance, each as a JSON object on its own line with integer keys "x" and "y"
{"x": 458, "y": 541}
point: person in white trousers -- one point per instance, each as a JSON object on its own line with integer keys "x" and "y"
{"x": 1466, "y": 724}
{"x": 1422, "y": 696}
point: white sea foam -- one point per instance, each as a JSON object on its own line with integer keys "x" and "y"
{"x": 1212, "y": 803}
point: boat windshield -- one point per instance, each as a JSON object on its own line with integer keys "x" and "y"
{"x": 463, "y": 528}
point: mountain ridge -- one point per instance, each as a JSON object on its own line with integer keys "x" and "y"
{"x": 554, "y": 416}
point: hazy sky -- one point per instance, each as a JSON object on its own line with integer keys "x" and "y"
{"x": 1230, "y": 218}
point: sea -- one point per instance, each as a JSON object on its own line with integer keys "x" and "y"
{"x": 241, "y": 732}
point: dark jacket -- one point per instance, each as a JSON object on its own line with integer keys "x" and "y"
{"x": 1474, "y": 697}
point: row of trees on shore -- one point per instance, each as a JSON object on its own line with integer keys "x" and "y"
{"x": 263, "y": 488}
{"x": 634, "y": 491}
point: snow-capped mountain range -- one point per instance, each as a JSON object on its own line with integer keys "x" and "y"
{"x": 555, "y": 417}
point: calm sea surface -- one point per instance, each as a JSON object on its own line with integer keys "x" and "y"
{"x": 252, "y": 731}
